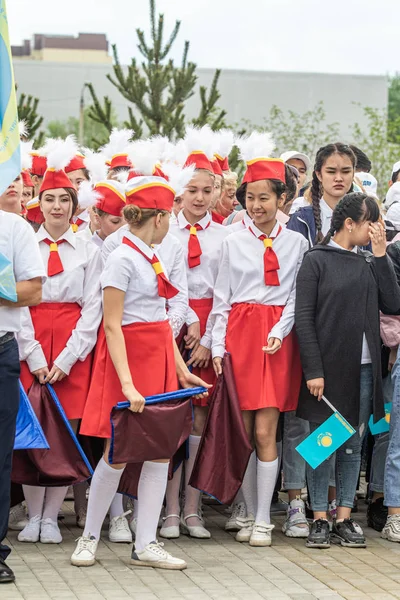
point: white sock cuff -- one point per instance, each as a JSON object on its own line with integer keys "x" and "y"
{"x": 267, "y": 465}
{"x": 154, "y": 469}
{"x": 107, "y": 471}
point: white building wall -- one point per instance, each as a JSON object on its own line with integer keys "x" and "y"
{"x": 244, "y": 94}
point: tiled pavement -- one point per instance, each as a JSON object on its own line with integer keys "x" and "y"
{"x": 217, "y": 568}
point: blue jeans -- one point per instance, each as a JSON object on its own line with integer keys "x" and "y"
{"x": 9, "y": 403}
{"x": 381, "y": 444}
{"x": 348, "y": 457}
{"x": 295, "y": 430}
{"x": 392, "y": 469}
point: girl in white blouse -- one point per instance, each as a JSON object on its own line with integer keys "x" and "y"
{"x": 253, "y": 317}
{"x": 201, "y": 239}
{"x": 142, "y": 359}
{"x": 58, "y": 336}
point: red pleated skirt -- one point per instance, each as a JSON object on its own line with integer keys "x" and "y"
{"x": 150, "y": 352}
{"x": 202, "y": 308}
{"x": 262, "y": 381}
{"x": 53, "y": 323}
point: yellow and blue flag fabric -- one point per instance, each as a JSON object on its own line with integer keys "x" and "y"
{"x": 8, "y": 288}
{"x": 383, "y": 425}
{"x": 10, "y": 153}
{"x": 29, "y": 433}
{"x": 325, "y": 440}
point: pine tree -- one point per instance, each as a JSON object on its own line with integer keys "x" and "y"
{"x": 157, "y": 88}
{"x": 27, "y": 111}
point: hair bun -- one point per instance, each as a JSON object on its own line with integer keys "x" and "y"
{"x": 132, "y": 214}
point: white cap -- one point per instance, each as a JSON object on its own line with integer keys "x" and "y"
{"x": 369, "y": 183}
{"x": 392, "y": 196}
{"x": 396, "y": 167}
{"x": 299, "y": 155}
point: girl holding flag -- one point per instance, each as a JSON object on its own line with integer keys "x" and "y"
{"x": 253, "y": 315}
{"x": 58, "y": 336}
{"x": 340, "y": 349}
{"x": 136, "y": 290}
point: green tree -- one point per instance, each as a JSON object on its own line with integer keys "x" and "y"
{"x": 394, "y": 109}
{"x": 157, "y": 89}
{"x": 95, "y": 133}
{"x": 27, "y": 111}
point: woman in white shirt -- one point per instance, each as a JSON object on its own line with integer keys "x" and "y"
{"x": 58, "y": 336}
{"x": 253, "y": 318}
{"x": 201, "y": 239}
{"x": 142, "y": 359}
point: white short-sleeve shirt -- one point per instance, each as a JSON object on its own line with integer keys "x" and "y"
{"x": 18, "y": 244}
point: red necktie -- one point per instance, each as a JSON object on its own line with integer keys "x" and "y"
{"x": 194, "y": 248}
{"x": 54, "y": 265}
{"x": 76, "y": 223}
{"x": 165, "y": 287}
{"x": 271, "y": 263}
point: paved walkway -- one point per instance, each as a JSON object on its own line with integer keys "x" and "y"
{"x": 217, "y": 568}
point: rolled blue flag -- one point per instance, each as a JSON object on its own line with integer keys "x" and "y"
{"x": 383, "y": 425}
{"x": 8, "y": 289}
{"x": 158, "y": 398}
{"x": 29, "y": 433}
{"x": 325, "y": 440}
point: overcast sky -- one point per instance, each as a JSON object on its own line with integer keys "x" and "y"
{"x": 335, "y": 36}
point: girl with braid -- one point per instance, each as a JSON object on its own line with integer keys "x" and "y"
{"x": 332, "y": 178}
{"x": 340, "y": 349}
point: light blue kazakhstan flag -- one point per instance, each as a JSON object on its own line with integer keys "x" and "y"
{"x": 383, "y": 425}
{"x": 325, "y": 440}
{"x": 10, "y": 154}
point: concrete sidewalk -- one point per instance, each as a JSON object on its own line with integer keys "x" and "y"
{"x": 217, "y": 568}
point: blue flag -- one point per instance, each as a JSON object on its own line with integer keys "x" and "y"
{"x": 10, "y": 153}
{"x": 383, "y": 425}
{"x": 8, "y": 289}
{"x": 29, "y": 433}
{"x": 325, "y": 440}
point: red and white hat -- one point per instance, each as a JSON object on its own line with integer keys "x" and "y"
{"x": 60, "y": 154}
{"x": 39, "y": 163}
{"x": 197, "y": 147}
{"x": 116, "y": 151}
{"x": 255, "y": 150}
{"x": 77, "y": 163}
{"x": 225, "y": 140}
{"x": 111, "y": 197}
{"x": 33, "y": 212}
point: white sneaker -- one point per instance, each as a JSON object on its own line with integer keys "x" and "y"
{"x": 31, "y": 532}
{"x": 296, "y": 524}
{"x": 246, "y": 528}
{"x": 154, "y": 555}
{"x": 81, "y": 517}
{"x": 119, "y": 531}
{"x": 85, "y": 552}
{"x": 391, "y": 530}
{"x": 50, "y": 532}
{"x": 238, "y": 512}
{"x": 261, "y": 534}
{"x": 17, "y": 518}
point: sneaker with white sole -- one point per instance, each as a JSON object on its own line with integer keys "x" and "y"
{"x": 246, "y": 528}
{"x": 238, "y": 512}
{"x": 31, "y": 532}
{"x": 50, "y": 532}
{"x": 296, "y": 524}
{"x": 17, "y": 518}
{"x": 81, "y": 517}
{"x": 391, "y": 529}
{"x": 119, "y": 531}
{"x": 85, "y": 552}
{"x": 261, "y": 534}
{"x": 154, "y": 555}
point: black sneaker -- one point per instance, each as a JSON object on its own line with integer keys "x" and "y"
{"x": 348, "y": 533}
{"x": 319, "y": 536}
{"x": 377, "y": 514}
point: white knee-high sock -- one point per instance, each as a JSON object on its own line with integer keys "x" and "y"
{"x": 53, "y": 501}
{"x": 172, "y": 495}
{"x": 151, "y": 492}
{"x": 266, "y": 479}
{"x": 104, "y": 486}
{"x": 192, "y": 496}
{"x": 249, "y": 485}
{"x": 116, "y": 506}
{"x": 34, "y": 496}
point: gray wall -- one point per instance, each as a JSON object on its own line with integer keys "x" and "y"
{"x": 58, "y": 86}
